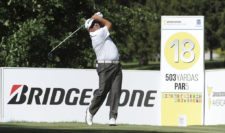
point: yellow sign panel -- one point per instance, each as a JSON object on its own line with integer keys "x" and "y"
{"x": 182, "y": 50}
{"x": 181, "y": 109}
{"x": 182, "y": 70}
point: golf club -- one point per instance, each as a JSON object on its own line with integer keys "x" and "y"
{"x": 50, "y": 53}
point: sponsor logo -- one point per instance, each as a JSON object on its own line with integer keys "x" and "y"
{"x": 215, "y": 98}
{"x": 22, "y": 94}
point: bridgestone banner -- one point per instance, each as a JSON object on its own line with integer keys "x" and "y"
{"x": 182, "y": 70}
{"x": 63, "y": 95}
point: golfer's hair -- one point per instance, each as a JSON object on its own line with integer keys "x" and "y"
{"x": 95, "y": 21}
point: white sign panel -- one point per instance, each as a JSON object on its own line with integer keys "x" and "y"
{"x": 1, "y": 95}
{"x": 58, "y": 95}
{"x": 214, "y": 97}
{"x": 182, "y": 70}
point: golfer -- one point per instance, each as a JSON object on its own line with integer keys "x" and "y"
{"x": 108, "y": 68}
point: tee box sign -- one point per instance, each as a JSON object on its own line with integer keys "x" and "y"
{"x": 182, "y": 70}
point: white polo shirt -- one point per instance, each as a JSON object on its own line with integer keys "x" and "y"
{"x": 104, "y": 47}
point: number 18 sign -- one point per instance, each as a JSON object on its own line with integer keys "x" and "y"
{"x": 182, "y": 70}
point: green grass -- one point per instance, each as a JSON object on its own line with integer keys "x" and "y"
{"x": 74, "y": 127}
{"x": 215, "y": 64}
{"x": 136, "y": 66}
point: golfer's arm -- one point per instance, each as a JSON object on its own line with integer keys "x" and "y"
{"x": 103, "y": 21}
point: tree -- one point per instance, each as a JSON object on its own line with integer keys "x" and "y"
{"x": 32, "y": 28}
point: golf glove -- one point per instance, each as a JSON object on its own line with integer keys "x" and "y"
{"x": 99, "y": 14}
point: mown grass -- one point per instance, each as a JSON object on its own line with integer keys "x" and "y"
{"x": 215, "y": 64}
{"x": 74, "y": 127}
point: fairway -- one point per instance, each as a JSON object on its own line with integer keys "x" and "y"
{"x": 74, "y": 127}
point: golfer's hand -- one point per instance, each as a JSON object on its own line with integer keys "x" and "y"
{"x": 99, "y": 14}
{"x": 96, "y": 17}
{"x": 103, "y": 21}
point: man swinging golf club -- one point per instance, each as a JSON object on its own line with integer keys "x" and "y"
{"x": 108, "y": 68}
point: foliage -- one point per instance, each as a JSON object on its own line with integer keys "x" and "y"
{"x": 31, "y": 28}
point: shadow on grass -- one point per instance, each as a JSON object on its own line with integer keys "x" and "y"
{"x": 136, "y": 66}
{"x": 15, "y": 129}
{"x": 214, "y": 64}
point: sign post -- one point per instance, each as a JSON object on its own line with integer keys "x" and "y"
{"x": 182, "y": 70}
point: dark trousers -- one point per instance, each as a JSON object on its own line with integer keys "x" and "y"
{"x": 110, "y": 80}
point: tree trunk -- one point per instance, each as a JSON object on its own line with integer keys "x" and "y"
{"x": 143, "y": 60}
{"x": 211, "y": 54}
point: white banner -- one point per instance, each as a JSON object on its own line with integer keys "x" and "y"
{"x": 182, "y": 70}
{"x": 1, "y": 95}
{"x": 214, "y": 97}
{"x": 58, "y": 95}
{"x": 140, "y": 99}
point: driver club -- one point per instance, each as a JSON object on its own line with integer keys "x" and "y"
{"x": 50, "y": 53}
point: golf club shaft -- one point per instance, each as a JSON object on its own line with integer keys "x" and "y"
{"x": 66, "y": 38}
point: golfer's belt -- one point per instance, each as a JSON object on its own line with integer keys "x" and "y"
{"x": 114, "y": 62}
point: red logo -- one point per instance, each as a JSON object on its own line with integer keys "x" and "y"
{"x": 14, "y": 88}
